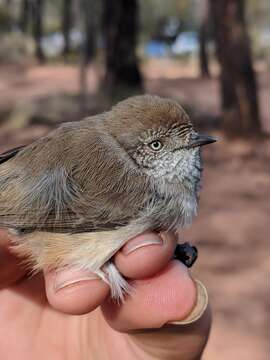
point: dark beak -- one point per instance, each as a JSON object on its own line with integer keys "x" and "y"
{"x": 201, "y": 139}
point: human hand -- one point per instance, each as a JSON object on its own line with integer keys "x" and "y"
{"x": 36, "y": 313}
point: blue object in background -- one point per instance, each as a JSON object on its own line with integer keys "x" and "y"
{"x": 155, "y": 48}
{"x": 186, "y": 43}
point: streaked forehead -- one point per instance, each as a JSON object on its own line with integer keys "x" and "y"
{"x": 176, "y": 129}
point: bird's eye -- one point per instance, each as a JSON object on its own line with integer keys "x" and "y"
{"x": 156, "y": 145}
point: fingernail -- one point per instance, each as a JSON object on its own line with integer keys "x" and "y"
{"x": 71, "y": 277}
{"x": 141, "y": 241}
{"x": 199, "y": 308}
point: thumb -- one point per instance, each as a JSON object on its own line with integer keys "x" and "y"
{"x": 186, "y": 342}
{"x": 149, "y": 317}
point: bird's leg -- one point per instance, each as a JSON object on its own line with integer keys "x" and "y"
{"x": 186, "y": 253}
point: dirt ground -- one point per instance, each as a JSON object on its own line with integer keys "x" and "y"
{"x": 232, "y": 229}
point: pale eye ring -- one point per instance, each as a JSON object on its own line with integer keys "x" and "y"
{"x": 156, "y": 145}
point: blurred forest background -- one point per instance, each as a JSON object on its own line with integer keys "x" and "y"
{"x": 61, "y": 60}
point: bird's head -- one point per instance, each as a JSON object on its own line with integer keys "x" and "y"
{"x": 160, "y": 138}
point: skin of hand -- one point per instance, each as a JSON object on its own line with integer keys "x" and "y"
{"x": 37, "y": 313}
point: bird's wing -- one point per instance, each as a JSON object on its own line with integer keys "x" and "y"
{"x": 10, "y": 154}
{"x": 71, "y": 183}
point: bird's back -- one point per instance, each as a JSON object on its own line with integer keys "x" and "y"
{"x": 73, "y": 180}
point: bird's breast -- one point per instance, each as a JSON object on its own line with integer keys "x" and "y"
{"x": 175, "y": 205}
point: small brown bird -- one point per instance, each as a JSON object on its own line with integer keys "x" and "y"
{"x": 77, "y": 195}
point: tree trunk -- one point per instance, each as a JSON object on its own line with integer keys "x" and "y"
{"x": 24, "y": 15}
{"x": 88, "y": 14}
{"x": 66, "y": 25}
{"x": 37, "y": 12}
{"x": 8, "y": 9}
{"x": 238, "y": 80}
{"x": 204, "y": 58}
{"x": 120, "y": 26}
{"x": 90, "y": 30}
{"x": 203, "y": 36}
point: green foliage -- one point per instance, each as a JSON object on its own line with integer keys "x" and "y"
{"x": 258, "y": 14}
{"x": 16, "y": 48}
{"x": 5, "y": 19}
{"x": 153, "y": 11}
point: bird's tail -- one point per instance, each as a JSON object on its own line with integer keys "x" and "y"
{"x": 119, "y": 286}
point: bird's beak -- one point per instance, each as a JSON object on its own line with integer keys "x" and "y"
{"x": 200, "y": 140}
